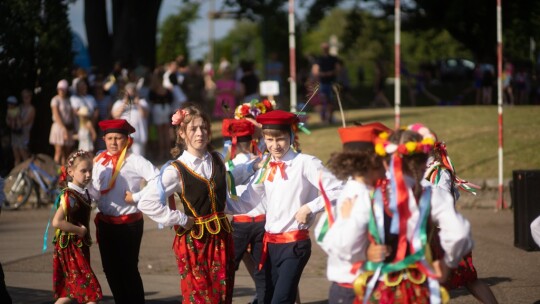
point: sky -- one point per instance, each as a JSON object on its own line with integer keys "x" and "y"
{"x": 199, "y": 28}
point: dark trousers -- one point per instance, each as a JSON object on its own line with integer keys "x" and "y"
{"x": 340, "y": 295}
{"x": 252, "y": 234}
{"x": 119, "y": 247}
{"x": 284, "y": 266}
{"x": 4, "y": 295}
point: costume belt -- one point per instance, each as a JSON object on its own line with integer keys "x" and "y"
{"x": 63, "y": 239}
{"x": 345, "y": 285}
{"x": 212, "y": 223}
{"x": 249, "y": 219}
{"x": 116, "y": 220}
{"x": 281, "y": 238}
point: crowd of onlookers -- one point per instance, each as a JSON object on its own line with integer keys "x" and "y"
{"x": 146, "y": 98}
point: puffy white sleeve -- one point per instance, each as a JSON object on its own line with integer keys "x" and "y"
{"x": 332, "y": 186}
{"x": 150, "y": 202}
{"x": 455, "y": 230}
{"x": 348, "y": 238}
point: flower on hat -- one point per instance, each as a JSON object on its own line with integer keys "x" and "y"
{"x": 253, "y": 109}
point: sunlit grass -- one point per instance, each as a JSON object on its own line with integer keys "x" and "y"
{"x": 471, "y": 134}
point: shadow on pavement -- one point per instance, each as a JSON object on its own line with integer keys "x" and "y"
{"x": 491, "y": 281}
{"x": 37, "y": 296}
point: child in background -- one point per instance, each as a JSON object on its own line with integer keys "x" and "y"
{"x": 248, "y": 228}
{"x": 361, "y": 168}
{"x": 288, "y": 183}
{"x": 86, "y": 134}
{"x": 73, "y": 278}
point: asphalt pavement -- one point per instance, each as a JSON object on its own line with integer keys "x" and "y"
{"x": 512, "y": 273}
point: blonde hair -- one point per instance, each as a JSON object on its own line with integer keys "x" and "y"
{"x": 72, "y": 161}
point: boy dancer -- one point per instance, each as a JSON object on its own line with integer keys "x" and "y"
{"x": 118, "y": 174}
{"x": 288, "y": 181}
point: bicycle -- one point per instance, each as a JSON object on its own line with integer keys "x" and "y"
{"x": 20, "y": 184}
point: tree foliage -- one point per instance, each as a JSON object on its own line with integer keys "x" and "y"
{"x": 174, "y": 33}
{"x": 35, "y": 52}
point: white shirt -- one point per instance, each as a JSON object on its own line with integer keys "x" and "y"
{"x": 284, "y": 197}
{"x": 150, "y": 203}
{"x": 339, "y": 269}
{"x": 134, "y": 170}
{"x": 454, "y": 232}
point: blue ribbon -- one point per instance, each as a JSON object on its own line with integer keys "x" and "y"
{"x": 53, "y": 211}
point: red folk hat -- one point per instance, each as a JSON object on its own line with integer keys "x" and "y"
{"x": 277, "y": 119}
{"x": 361, "y": 137}
{"x": 239, "y": 128}
{"x": 116, "y": 126}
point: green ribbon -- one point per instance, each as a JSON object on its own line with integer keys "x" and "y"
{"x": 324, "y": 230}
{"x": 263, "y": 172}
{"x": 231, "y": 184}
{"x": 410, "y": 259}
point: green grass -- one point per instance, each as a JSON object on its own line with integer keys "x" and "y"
{"x": 470, "y": 133}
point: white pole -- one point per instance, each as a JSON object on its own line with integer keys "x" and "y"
{"x": 211, "y": 16}
{"x": 292, "y": 57}
{"x": 397, "y": 62}
{"x": 500, "y": 202}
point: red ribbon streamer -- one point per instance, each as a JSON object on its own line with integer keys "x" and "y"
{"x": 403, "y": 208}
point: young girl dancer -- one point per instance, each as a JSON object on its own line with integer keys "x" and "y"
{"x": 396, "y": 225}
{"x": 203, "y": 242}
{"x": 73, "y": 278}
{"x": 441, "y": 172}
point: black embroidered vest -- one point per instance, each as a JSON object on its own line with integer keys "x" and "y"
{"x": 201, "y": 197}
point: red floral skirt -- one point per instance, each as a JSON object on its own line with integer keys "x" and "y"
{"x": 463, "y": 274}
{"x": 72, "y": 275}
{"x": 206, "y": 267}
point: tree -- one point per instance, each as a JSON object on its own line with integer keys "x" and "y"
{"x": 174, "y": 34}
{"x": 473, "y": 23}
{"x": 35, "y": 52}
{"x": 133, "y": 38}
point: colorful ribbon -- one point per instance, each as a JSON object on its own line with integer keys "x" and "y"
{"x": 60, "y": 200}
{"x": 329, "y": 220}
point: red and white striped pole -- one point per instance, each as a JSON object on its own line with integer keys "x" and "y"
{"x": 292, "y": 57}
{"x": 500, "y": 201}
{"x": 397, "y": 62}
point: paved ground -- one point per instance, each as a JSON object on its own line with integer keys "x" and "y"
{"x": 512, "y": 273}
